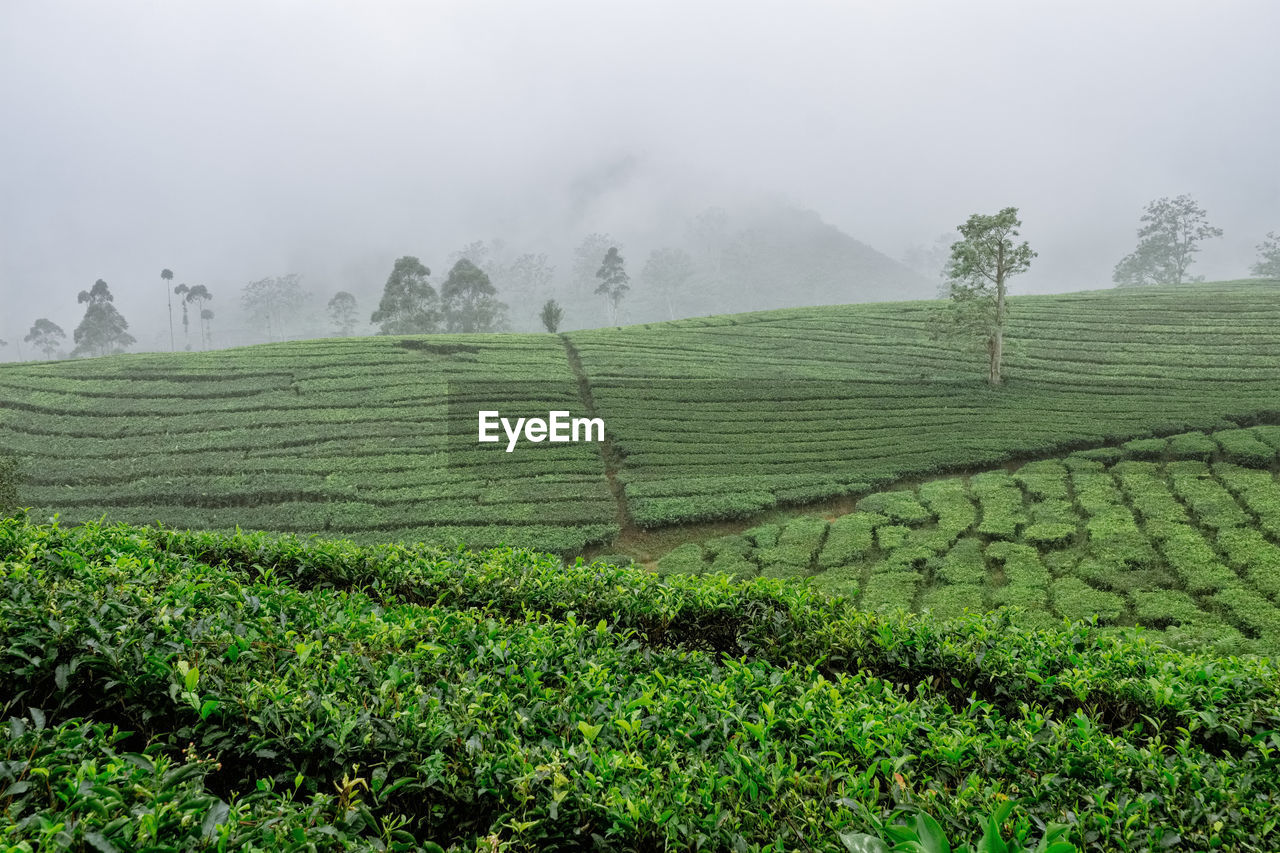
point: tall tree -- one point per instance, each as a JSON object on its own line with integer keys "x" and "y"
{"x": 182, "y": 290}
{"x": 551, "y": 315}
{"x": 269, "y": 301}
{"x": 46, "y": 336}
{"x": 470, "y": 300}
{"x": 1168, "y": 241}
{"x": 343, "y": 311}
{"x": 586, "y": 261}
{"x": 198, "y": 296}
{"x": 103, "y": 331}
{"x": 667, "y": 271}
{"x": 206, "y": 320}
{"x": 1268, "y": 265}
{"x": 981, "y": 264}
{"x": 409, "y": 303}
{"x": 613, "y": 282}
{"x": 166, "y": 275}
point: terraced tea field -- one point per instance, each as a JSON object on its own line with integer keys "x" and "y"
{"x": 346, "y": 436}
{"x": 800, "y": 405}
{"x": 710, "y": 418}
{"x": 1182, "y": 533}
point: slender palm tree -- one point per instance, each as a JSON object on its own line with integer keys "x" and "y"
{"x": 166, "y": 275}
{"x": 206, "y": 318}
{"x": 182, "y": 290}
{"x": 198, "y": 296}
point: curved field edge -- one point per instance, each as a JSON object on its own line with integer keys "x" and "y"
{"x": 401, "y": 695}
{"x": 1179, "y": 533}
{"x": 713, "y": 418}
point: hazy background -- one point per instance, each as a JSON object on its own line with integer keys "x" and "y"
{"x": 234, "y": 141}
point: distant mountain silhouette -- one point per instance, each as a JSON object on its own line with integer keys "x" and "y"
{"x": 777, "y": 256}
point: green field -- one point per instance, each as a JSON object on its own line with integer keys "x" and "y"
{"x": 179, "y": 691}
{"x": 882, "y": 603}
{"x": 712, "y": 418}
{"x": 1175, "y": 533}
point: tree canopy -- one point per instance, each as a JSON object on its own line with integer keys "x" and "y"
{"x": 270, "y": 301}
{"x": 1268, "y": 265}
{"x": 409, "y": 304}
{"x": 470, "y": 300}
{"x": 551, "y": 315}
{"x": 979, "y": 268}
{"x": 343, "y": 311}
{"x": 1168, "y": 240}
{"x": 613, "y": 281}
{"x": 46, "y": 336}
{"x": 103, "y": 331}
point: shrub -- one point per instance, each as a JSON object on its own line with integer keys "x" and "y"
{"x": 1076, "y": 600}
{"x": 1145, "y": 448}
{"x": 1044, "y": 479}
{"x": 1192, "y": 445}
{"x": 1243, "y": 447}
{"x": 8, "y": 483}
{"x": 1048, "y": 533}
{"x": 900, "y": 506}
{"x": 890, "y": 591}
{"x": 1252, "y": 553}
{"x": 964, "y": 564}
{"x": 1002, "y": 504}
{"x": 891, "y": 536}
{"x": 1194, "y": 559}
{"x": 953, "y": 600}
{"x": 1161, "y": 608}
{"x": 849, "y": 539}
{"x": 684, "y": 559}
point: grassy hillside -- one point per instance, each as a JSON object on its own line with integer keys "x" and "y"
{"x": 711, "y": 418}
{"x": 803, "y": 404}
{"x": 1181, "y": 533}
{"x": 197, "y": 691}
{"x": 342, "y": 435}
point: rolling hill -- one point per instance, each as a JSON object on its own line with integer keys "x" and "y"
{"x": 712, "y": 418}
{"x": 1116, "y": 506}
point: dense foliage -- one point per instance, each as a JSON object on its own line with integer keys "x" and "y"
{"x": 1181, "y": 534}
{"x": 277, "y": 694}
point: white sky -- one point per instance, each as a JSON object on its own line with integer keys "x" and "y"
{"x": 235, "y": 140}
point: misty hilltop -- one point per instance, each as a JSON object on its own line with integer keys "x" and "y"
{"x": 753, "y": 257}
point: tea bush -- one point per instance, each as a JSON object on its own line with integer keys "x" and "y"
{"x": 289, "y": 695}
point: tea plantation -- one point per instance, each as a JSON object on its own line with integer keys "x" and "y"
{"x": 346, "y": 435}
{"x": 1044, "y": 617}
{"x": 184, "y": 691}
{"x": 710, "y": 418}
{"x": 1180, "y": 533}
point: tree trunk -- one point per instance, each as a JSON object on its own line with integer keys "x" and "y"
{"x": 173, "y": 345}
{"x": 995, "y": 346}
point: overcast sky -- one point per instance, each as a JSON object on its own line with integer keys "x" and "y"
{"x": 232, "y": 141}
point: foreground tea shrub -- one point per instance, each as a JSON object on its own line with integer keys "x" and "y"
{"x": 499, "y": 700}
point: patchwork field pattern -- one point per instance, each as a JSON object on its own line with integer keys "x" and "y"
{"x": 1178, "y": 533}
{"x": 710, "y": 418}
